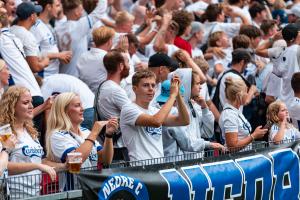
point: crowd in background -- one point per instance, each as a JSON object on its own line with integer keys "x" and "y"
{"x": 129, "y": 80}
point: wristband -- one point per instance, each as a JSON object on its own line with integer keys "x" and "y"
{"x": 108, "y": 135}
{"x": 252, "y": 137}
{"x": 92, "y": 141}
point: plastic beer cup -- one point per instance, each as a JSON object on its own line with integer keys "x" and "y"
{"x": 5, "y": 132}
{"x": 74, "y": 161}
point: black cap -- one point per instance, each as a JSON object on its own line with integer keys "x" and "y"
{"x": 26, "y": 9}
{"x": 242, "y": 54}
{"x": 162, "y": 59}
{"x": 290, "y": 32}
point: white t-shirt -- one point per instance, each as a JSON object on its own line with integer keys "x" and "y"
{"x": 91, "y": 68}
{"x": 46, "y": 40}
{"x": 233, "y": 120}
{"x": 274, "y": 86}
{"x": 224, "y": 61}
{"x": 294, "y": 111}
{"x": 142, "y": 142}
{"x": 290, "y": 134}
{"x": 244, "y": 11}
{"x": 11, "y": 49}
{"x": 204, "y": 92}
{"x": 196, "y": 52}
{"x": 67, "y": 83}
{"x": 285, "y": 65}
{"x": 73, "y": 35}
{"x": 222, "y": 95}
{"x": 149, "y": 51}
{"x": 28, "y": 40}
{"x": 27, "y": 150}
{"x": 197, "y": 6}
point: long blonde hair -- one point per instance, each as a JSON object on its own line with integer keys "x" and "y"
{"x": 8, "y": 110}
{"x": 58, "y": 120}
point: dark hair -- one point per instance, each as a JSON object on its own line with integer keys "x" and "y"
{"x": 44, "y": 3}
{"x": 266, "y": 25}
{"x": 240, "y": 54}
{"x": 159, "y": 3}
{"x": 133, "y": 39}
{"x": 89, "y": 5}
{"x": 184, "y": 19}
{"x": 256, "y": 8}
{"x": 233, "y": 2}
{"x": 136, "y": 78}
{"x": 241, "y": 41}
{"x": 295, "y": 82}
{"x": 69, "y": 5}
{"x": 212, "y": 12}
{"x": 112, "y": 60}
{"x": 251, "y": 31}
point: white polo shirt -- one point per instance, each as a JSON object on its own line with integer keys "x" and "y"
{"x": 91, "y": 68}
{"x": 11, "y": 49}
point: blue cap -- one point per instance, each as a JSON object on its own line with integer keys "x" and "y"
{"x": 26, "y": 9}
{"x": 165, "y": 91}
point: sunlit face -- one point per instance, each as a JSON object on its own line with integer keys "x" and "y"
{"x": 128, "y": 26}
{"x": 196, "y": 87}
{"x": 78, "y": 12}
{"x": 4, "y": 76}
{"x": 55, "y": 8}
{"x": 75, "y": 111}
{"x": 255, "y": 42}
{"x": 283, "y": 112}
{"x": 145, "y": 90}
{"x": 24, "y": 108}
{"x": 224, "y": 40}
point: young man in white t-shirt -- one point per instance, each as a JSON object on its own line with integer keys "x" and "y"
{"x": 141, "y": 124}
{"x": 27, "y": 16}
{"x": 90, "y": 64}
{"x": 46, "y": 38}
{"x": 73, "y": 34}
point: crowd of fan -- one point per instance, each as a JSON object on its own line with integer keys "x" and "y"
{"x": 132, "y": 80}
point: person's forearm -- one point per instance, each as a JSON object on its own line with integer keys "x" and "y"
{"x": 106, "y": 154}
{"x": 57, "y": 166}
{"x": 250, "y": 95}
{"x": 244, "y": 19}
{"x": 53, "y": 55}
{"x": 196, "y": 69}
{"x": 238, "y": 144}
{"x": 214, "y": 110}
{"x": 86, "y": 147}
{"x": 183, "y": 115}
{"x": 159, "y": 42}
{"x": 144, "y": 40}
{"x": 39, "y": 109}
{"x": 280, "y": 134}
{"x": 19, "y": 168}
{"x": 163, "y": 113}
{"x": 3, "y": 161}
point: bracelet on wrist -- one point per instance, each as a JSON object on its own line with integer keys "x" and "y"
{"x": 252, "y": 137}
{"x": 6, "y": 150}
{"x": 108, "y": 135}
{"x": 90, "y": 140}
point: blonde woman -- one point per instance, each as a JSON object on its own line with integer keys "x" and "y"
{"x": 236, "y": 130}
{"x": 26, "y": 158}
{"x": 64, "y": 134}
{"x": 281, "y": 129}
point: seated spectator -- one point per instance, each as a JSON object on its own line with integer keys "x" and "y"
{"x": 4, "y": 76}
{"x": 281, "y": 130}
{"x": 236, "y": 130}
{"x": 141, "y": 124}
{"x": 64, "y": 134}
{"x": 59, "y": 83}
{"x": 177, "y": 140}
{"x": 26, "y": 158}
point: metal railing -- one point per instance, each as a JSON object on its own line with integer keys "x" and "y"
{"x": 35, "y": 185}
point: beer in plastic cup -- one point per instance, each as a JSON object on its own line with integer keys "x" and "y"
{"x": 5, "y": 132}
{"x": 74, "y": 161}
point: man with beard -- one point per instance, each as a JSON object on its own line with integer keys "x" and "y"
{"x": 110, "y": 96}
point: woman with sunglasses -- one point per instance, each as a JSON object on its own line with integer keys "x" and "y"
{"x": 236, "y": 130}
